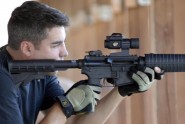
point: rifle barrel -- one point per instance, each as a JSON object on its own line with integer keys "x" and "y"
{"x": 167, "y": 62}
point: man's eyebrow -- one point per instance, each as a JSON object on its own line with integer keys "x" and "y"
{"x": 57, "y": 42}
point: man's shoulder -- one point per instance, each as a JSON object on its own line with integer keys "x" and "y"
{"x": 4, "y": 73}
{"x": 4, "y": 58}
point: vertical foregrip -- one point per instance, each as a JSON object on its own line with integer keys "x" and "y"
{"x": 167, "y": 62}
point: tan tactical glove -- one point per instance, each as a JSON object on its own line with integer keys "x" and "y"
{"x": 80, "y": 98}
{"x": 143, "y": 77}
{"x": 143, "y": 80}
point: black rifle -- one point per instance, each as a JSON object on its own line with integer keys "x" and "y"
{"x": 97, "y": 66}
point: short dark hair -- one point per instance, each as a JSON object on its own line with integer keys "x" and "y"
{"x": 30, "y": 21}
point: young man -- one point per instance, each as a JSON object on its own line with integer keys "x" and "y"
{"x": 37, "y": 31}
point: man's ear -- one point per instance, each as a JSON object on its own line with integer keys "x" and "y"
{"x": 27, "y": 48}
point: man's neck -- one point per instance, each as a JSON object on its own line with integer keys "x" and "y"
{"x": 15, "y": 54}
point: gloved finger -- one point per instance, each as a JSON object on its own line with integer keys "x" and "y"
{"x": 141, "y": 68}
{"x": 143, "y": 77}
{"x": 147, "y": 70}
{"x": 159, "y": 74}
{"x": 96, "y": 96}
{"x": 93, "y": 107}
{"x": 137, "y": 79}
{"x": 141, "y": 83}
{"x": 96, "y": 102}
{"x": 150, "y": 73}
{"x": 96, "y": 89}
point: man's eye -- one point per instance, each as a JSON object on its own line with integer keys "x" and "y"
{"x": 57, "y": 44}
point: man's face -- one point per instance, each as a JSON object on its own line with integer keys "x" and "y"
{"x": 53, "y": 46}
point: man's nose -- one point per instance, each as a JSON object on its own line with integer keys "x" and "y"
{"x": 63, "y": 52}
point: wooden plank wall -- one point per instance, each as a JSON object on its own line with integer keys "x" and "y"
{"x": 179, "y": 29}
{"x": 166, "y": 94}
{"x": 160, "y": 27}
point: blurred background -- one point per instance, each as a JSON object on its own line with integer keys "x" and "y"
{"x": 160, "y": 26}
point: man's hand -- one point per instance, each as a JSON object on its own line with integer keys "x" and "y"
{"x": 143, "y": 77}
{"x": 81, "y": 98}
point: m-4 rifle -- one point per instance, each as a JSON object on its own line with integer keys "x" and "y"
{"x": 97, "y": 66}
